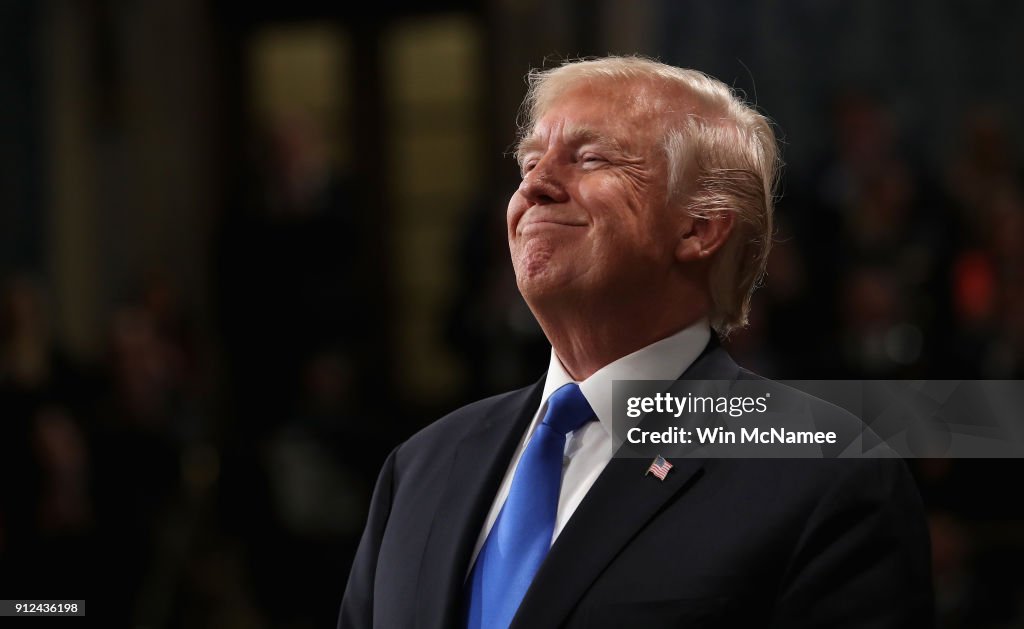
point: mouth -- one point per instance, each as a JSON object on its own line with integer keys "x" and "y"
{"x": 537, "y": 225}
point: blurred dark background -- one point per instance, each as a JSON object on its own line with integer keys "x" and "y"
{"x": 247, "y": 248}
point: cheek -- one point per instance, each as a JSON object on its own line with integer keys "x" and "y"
{"x": 612, "y": 199}
{"x": 630, "y": 224}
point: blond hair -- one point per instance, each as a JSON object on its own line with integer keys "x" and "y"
{"x": 722, "y": 157}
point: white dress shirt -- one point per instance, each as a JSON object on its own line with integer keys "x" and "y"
{"x": 588, "y": 450}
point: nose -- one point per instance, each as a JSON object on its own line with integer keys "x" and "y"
{"x": 543, "y": 185}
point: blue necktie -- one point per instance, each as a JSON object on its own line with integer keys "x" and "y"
{"x": 521, "y": 536}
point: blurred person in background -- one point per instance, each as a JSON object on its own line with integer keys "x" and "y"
{"x": 47, "y": 509}
{"x": 489, "y": 324}
{"x": 301, "y": 453}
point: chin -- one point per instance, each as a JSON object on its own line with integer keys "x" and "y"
{"x": 535, "y": 286}
{"x": 539, "y": 285}
{"x": 544, "y": 271}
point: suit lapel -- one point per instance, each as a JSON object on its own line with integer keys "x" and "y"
{"x": 480, "y": 461}
{"x": 619, "y": 504}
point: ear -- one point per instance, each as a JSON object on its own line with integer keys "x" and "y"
{"x": 701, "y": 237}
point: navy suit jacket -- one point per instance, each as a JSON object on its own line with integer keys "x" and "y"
{"x": 720, "y": 543}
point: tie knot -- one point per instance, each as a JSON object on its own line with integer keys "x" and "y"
{"x": 567, "y": 409}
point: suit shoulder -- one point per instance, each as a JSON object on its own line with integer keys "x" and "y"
{"x": 856, "y": 438}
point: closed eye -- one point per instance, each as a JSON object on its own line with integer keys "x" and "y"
{"x": 527, "y": 166}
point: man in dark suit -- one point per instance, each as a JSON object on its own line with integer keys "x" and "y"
{"x": 642, "y": 223}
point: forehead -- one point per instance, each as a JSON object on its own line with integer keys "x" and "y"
{"x": 632, "y": 114}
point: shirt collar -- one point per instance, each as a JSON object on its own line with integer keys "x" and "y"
{"x": 666, "y": 359}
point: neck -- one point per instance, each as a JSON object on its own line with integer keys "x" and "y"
{"x": 586, "y": 339}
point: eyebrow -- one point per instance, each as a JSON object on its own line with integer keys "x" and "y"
{"x": 576, "y": 135}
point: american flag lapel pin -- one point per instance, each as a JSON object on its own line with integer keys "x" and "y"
{"x": 659, "y": 467}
